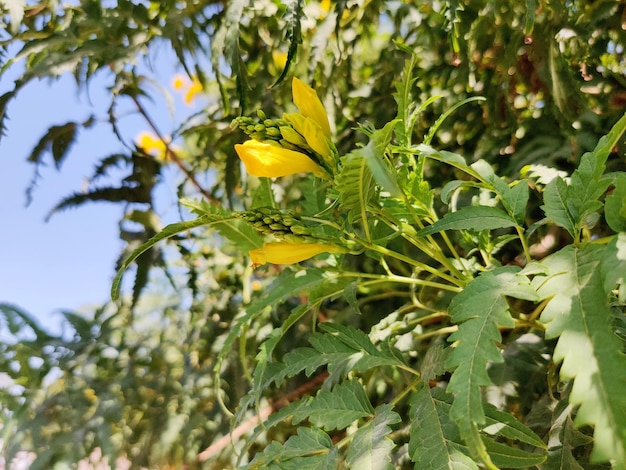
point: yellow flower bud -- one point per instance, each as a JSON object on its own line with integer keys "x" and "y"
{"x": 310, "y": 105}
{"x": 289, "y": 253}
{"x": 271, "y": 160}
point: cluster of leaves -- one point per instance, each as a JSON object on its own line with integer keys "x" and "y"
{"x": 446, "y": 337}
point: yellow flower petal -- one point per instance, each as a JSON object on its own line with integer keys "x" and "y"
{"x": 317, "y": 140}
{"x": 309, "y": 104}
{"x": 150, "y": 143}
{"x": 289, "y": 253}
{"x": 195, "y": 89}
{"x": 178, "y": 82}
{"x": 270, "y": 160}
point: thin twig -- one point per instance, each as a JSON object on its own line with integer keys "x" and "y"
{"x": 274, "y": 405}
{"x": 172, "y": 154}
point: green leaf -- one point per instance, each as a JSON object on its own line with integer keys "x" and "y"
{"x": 509, "y": 457}
{"x": 288, "y": 284}
{"x": 371, "y": 447}
{"x": 579, "y": 316}
{"x": 164, "y": 234}
{"x": 479, "y": 310}
{"x": 336, "y": 408}
{"x": 238, "y": 232}
{"x": 613, "y": 266}
{"x": 293, "y": 34}
{"x": 563, "y": 438}
{"x": 374, "y": 154}
{"x": 16, "y": 12}
{"x": 435, "y": 442}
{"x": 504, "y": 424}
{"x": 308, "y": 449}
{"x": 516, "y": 200}
{"x": 357, "y": 188}
{"x": 57, "y": 140}
{"x": 342, "y": 348}
{"x": 403, "y": 97}
{"x": 555, "y": 197}
{"x": 470, "y": 218}
{"x": 615, "y": 205}
{"x": 225, "y": 43}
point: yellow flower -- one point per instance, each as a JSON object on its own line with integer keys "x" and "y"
{"x": 289, "y": 253}
{"x": 152, "y": 145}
{"x": 271, "y": 160}
{"x": 279, "y": 58}
{"x": 178, "y": 82}
{"x": 309, "y": 104}
{"x": 194, "y": 89}
{"x": 157, "y": 148}
{"x": 190, "y": 90}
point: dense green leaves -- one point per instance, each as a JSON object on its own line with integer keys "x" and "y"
{"x": 480, "y": 309}
{"x": 579, "y": 315}
{"x": 404, "y": 350}
{"x": 471, "y": 218}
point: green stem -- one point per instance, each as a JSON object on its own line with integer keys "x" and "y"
{"x": 522, "y": 238}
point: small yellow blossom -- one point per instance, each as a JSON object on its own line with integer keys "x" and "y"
{"x": 178, "y": 82}
{"x": 271, "y": 160}
{"x": 189, "y": 89}
{"x": 155, "y": 147}
{"x": 152, "y": 145}
{"x": 194, "y": 89}
{"x": 279, "y": 58}
{"x": 289, "y": 253}
{"x": 309, "y": 104}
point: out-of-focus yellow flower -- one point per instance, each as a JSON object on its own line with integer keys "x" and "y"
{"x": 178, "y": 82}
{"x": 271, "y": 160}
{"x": 279, "y": 58}
{"x": 155, "y": 147}
{"x": 289, "y": 253}
{"x": 194, "y": 89}
{"x": 325, "y": 5}
{"x": 152, "y": 145}
{"x": 310, "y": 105}
{"x": 190, "y": 89}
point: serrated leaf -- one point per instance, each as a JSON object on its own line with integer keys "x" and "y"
{"x": 505, "y": 425}
{"x": 613, "y": 265}
{"x": 479, "y": 310}
{"x": 406, "y": 116}
{"x": 579, "y": 316}
{"x": 287, "y": 284}
{"x": 293, "y": 34}
{"x": 308, "y": 449}
{"x": 336, "y": 408}
{"x": 57, "y": 140}
{"x": 342, "y": 348}
{"x": 164, "y": 234}
{"x": 234, "y": 230}
{"x": 509, "y": 457}
{"x": 615, "y": 205}
{"x": 555, "y": 197}
{"x": 434, "y": 442}
{"x": 374, "y": 156}
{"x": 371, "y": 447}
{"x": 516, "y": 200}
{"x": 563, "y": 438}
{"x": 357, "y": 188}
{"x": 470, "y": 218}
{"x": 16, "y": 12}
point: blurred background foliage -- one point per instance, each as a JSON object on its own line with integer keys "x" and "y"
{"x": 136, "y": 379}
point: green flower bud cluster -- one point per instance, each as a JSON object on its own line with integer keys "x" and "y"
{"x": 278, "y": 130}
{"x": 285, "y": 225}
{"x": 261, "y": 129}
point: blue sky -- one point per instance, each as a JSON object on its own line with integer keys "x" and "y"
{"x": 69, "y": 261}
